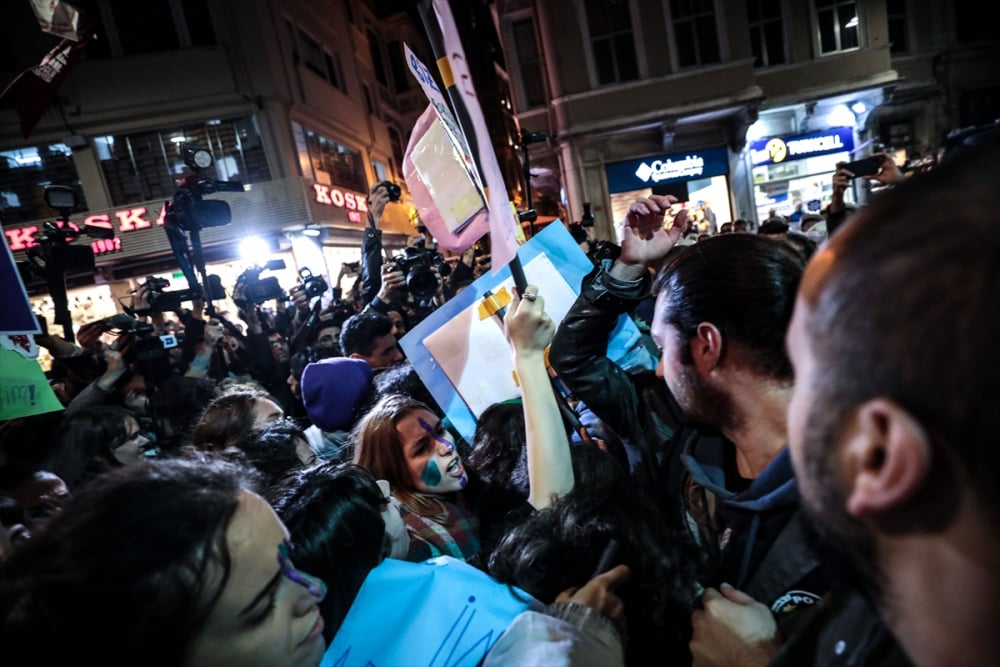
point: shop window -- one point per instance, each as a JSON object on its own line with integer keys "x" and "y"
{"x": 130, "y": 28}
{"x": 612, "y": 44}
{"x": 839, "y": 24}
{"x": 24, "y": 173}
{"x": 529, "y": 63}
{"x": 767, "y": 32}
{"x": 695, "y": 32}
{"x": 330, "y": 162}
{"x": 899, "y": 32}
{"x": 375, "y": 47}
{"x": 142, "y": 166}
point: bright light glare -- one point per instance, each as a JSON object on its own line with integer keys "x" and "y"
{"x": 841, "y": 116}
{"x": 859, "y": 107}
{"x": 254, "y": 249}
{"x": 853, "y": 23}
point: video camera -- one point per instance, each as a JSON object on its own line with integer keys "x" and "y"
{"x": 416, "y": 263}
{"x": 258, "y": 290}
{"x": 141, "y": 343}
{"x": 164, "y": 302}
{"x": 187, "y": 209}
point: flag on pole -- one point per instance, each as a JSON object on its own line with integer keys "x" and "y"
{"x": 32, "y": 91}
{"x": 502, "y": 221}
{"x": 58, "y": 18}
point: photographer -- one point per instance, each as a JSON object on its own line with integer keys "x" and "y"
{"x": 838, "y": 211}
{"x": 371, "y": 246}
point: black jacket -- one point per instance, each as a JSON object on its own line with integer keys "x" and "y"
{"x": 638, "y": 407}
{"x": 751, "y": 535}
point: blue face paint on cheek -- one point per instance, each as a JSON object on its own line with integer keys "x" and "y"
{"x": 315, "y": 586}
{"x": 431, "y": 475}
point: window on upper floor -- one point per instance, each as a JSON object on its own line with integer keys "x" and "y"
{"x": 329, "y": 162}
{"x": 375, "y": 47}
{"x": 612, "y": 44}
{"x": 767, "y": 32}
{"x": 24, "y": 173}
{"x": 366, "y": 94}
{"x": 529, "y": 63}
{"x": 130, "y": 28}
{"x": 696, "y": 33}
{"x": 899, "y": 32}
{"x": 142, "y": 166}
{"x": 839, "y": 24}
{"x": 400, "y": 72}
{"x": 307, "y": 51}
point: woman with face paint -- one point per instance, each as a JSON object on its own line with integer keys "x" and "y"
{"x": 161, "y": 564}
{"x": 402, "y": 441}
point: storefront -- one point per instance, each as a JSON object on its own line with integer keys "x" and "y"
{"x": 699, "y": 179}
{"x": 792, "y": 170}
{"x": 302, "y": 223}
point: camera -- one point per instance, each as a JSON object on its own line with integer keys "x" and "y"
{"x": 602, "y": 250}
{"x": 258, "y": 290}
{"x": 416, "y": 264}
{"x": 391, "y": 189}
{"x": 187, "y": 210}
{"x": 142, "y": 343}
{"x": 161, "y": 301}
{"x": 312, "y": 285}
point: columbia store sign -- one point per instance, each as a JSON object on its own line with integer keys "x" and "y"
{"x": 775, "y": 150}
{"x": 665, "y": 170}
{"x": 637, "y": 174}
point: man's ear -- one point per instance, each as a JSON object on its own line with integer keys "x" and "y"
{"x": 706, "y": 347}
{"x": 886, "y": 459}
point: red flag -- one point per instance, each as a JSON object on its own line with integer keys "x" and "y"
{"x": 32, "y": 91}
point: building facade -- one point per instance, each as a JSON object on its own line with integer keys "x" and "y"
{"x": 306, "y": 104}
{"x": 743, "y": 106}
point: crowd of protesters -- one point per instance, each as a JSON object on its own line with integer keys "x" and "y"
{"x": 807, "y": 476}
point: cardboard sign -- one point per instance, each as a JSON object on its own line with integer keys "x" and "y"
{"x": 24, "y": 390}
{"x": 463, "y": 357}
{"x": 439, "y": 612}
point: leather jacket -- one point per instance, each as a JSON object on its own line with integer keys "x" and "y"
{"x": 638, "y": 407}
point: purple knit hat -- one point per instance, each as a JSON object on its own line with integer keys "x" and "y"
{"x": 331, "y": 390}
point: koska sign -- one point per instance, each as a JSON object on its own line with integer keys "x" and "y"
{"x": 776, "y": 150}
{"x": 123, "y": 221}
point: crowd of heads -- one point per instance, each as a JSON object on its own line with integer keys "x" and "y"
{"x": 225, "y": 504}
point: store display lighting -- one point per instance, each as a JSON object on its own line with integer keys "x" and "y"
{"x": 314, "y": 232}
{"x": 841, "y": 116}
{"x": 254, "y": 249}
{"x": 859, "y": 107}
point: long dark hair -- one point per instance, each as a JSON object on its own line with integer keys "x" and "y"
{"x": 85, "y": 443}
{"x": 560, "y": 547}
{"x": 333, "y": 515}
{"x": 137, "y": 554}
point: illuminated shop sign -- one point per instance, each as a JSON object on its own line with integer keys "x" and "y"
{"x": 638, "y": 174}
{"x": 328, "y": 196}
{"x": 123, "y": 220}
{"x": 776, "y": 150}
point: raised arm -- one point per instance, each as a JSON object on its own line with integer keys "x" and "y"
{"x": 550, "y": 469}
